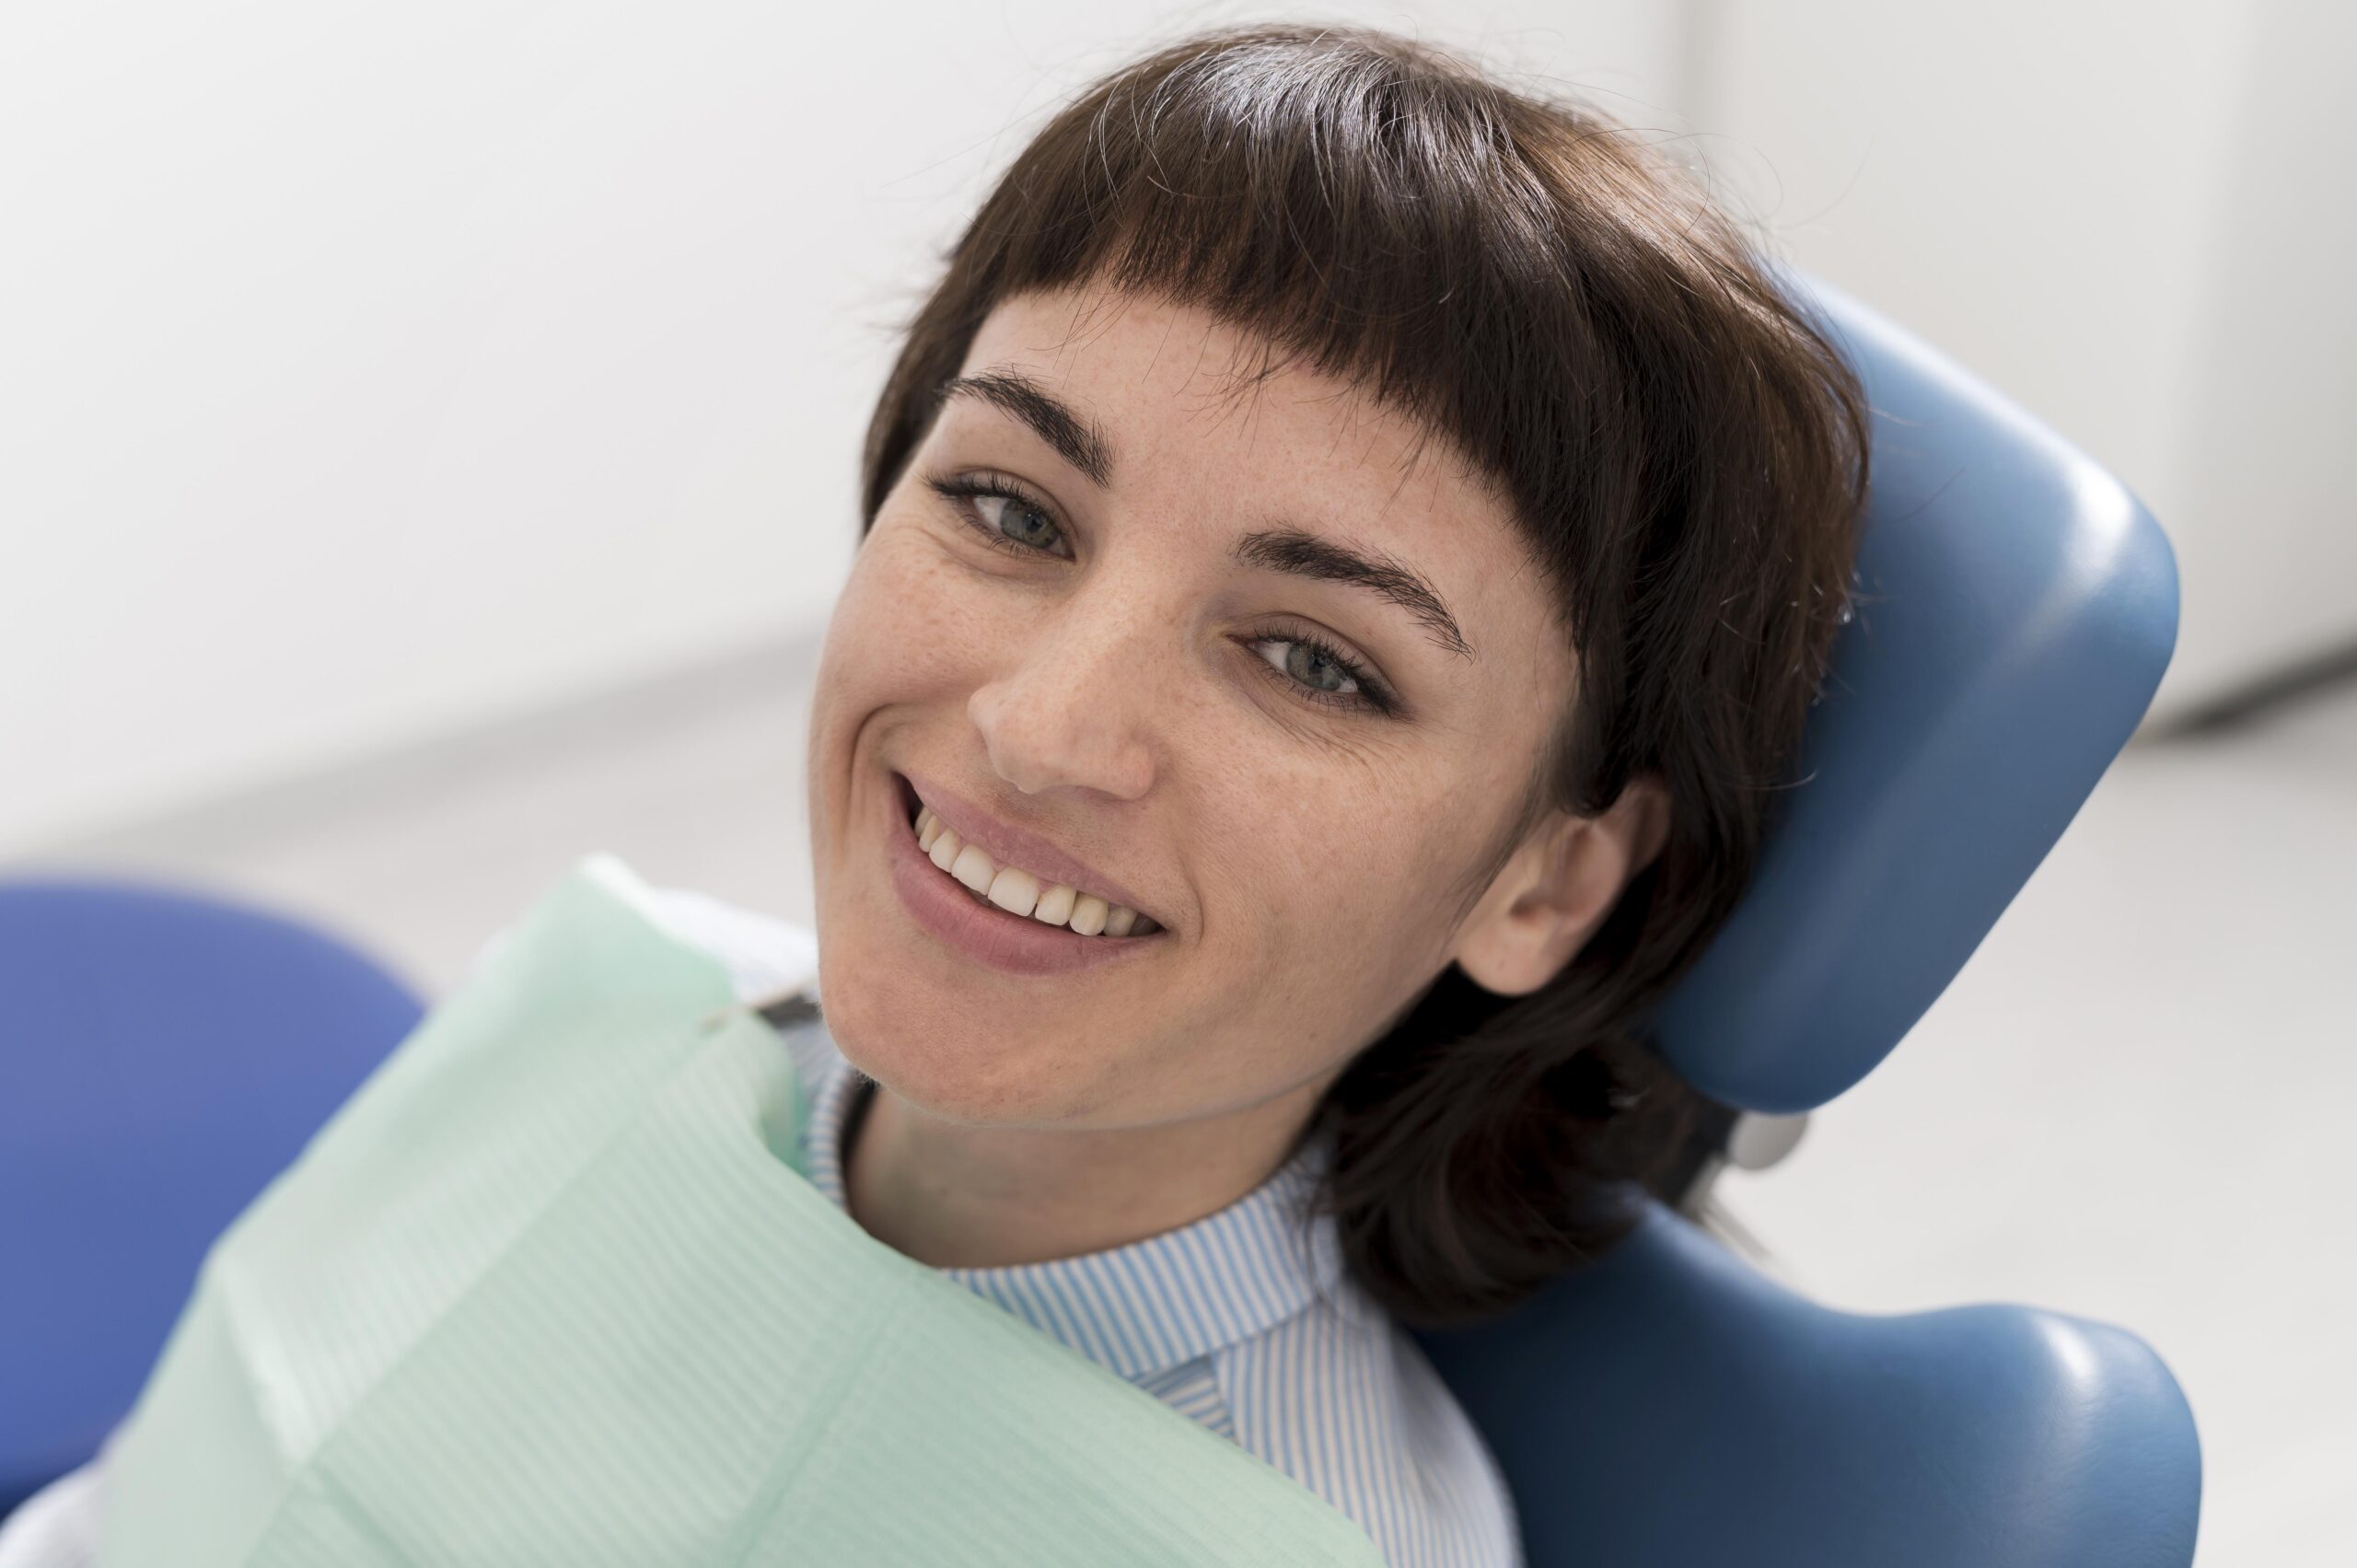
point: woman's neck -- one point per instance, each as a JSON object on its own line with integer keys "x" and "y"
{"x": 952, "y": 1195}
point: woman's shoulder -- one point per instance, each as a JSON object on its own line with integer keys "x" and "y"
{"x": 1342, "y": 1398}
{"x": 772, "y": 965}
{"x": 772, "y": 962}
{"x": 766, "y": 956}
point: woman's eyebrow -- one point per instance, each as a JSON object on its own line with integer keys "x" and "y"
{"x": 1290, "y": 551}
{"x": 1309, "y": 555}
{"x": 1076, "y": 439}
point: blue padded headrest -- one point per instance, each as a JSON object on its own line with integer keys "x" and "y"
{"x": 2018, "y": 606}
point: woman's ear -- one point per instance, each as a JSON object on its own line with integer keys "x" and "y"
{"x": 1558, "y": 888}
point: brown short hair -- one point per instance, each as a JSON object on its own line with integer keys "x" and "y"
{"x": 1686, "y": 453}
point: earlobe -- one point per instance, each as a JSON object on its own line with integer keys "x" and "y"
{"x": 1557, "y": 890}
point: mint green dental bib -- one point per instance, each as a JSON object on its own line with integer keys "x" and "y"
{"x": 551, "y": 1289}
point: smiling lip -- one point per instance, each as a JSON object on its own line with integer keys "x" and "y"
{"x": 1009, "y": 845}
{"x": 983, "y": 932}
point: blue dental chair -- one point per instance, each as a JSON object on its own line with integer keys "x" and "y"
{"x": 163, "y": 1054}
{"x": 1668, "y": 1407}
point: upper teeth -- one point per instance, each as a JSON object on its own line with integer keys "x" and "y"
{"x": 1020, "y": 891}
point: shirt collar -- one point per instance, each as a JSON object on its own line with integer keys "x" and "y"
{"x": 1152, "y": 1305}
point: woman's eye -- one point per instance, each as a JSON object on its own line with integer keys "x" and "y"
{"x": 1002, "y": 515}
{"x": 1016, "y": 519}
{"x": 1321, "y": 673}
{"x": 1311, "y": 667}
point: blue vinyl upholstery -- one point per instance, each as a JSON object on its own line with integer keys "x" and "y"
{"x": 163, "y": 1054}
{"x": 1670, "y": 1407}
{"x": 2022, "y": 607}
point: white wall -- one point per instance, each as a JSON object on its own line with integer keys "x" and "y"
{"x": 375, "y": 373}
{"x": 2133, "y": 215}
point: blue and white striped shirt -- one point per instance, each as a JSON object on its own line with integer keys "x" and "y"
{"x": 1245, "y": 1320}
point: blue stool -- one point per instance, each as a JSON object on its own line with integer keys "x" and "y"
{"x": 162, "y": 1056}
{"x": 1670, "y": 1407}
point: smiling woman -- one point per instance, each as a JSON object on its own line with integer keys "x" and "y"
{"x": 1348, "y": 553}
{"x": 1349, "y": 550}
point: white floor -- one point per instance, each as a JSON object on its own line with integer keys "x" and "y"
{"x": 2130, "y": 1105}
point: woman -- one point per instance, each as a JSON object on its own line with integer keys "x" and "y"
{"x": 1348, "y": 553}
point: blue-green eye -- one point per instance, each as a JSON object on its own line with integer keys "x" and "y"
{"x": 1006, "y": 518}
{"x": 1308, "y": 663}
{"x": 1017, "y": 520}
{"x": 997, "y": 508}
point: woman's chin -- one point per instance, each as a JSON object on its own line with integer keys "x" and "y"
{"x": 929, "y": 1048}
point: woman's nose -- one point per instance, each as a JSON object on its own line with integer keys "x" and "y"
{"x": 1075, "y": 705}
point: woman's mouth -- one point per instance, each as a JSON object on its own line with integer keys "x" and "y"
{"x": 1004, "y": 915}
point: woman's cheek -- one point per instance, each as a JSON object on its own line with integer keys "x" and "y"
{"x": 1374, "y": 877}
{"x": 895, "y": 627}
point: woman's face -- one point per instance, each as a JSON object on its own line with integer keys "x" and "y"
{"x": 1131, "y": 675}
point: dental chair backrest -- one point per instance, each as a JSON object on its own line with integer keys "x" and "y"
{"x": 1670, "y": 1406}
